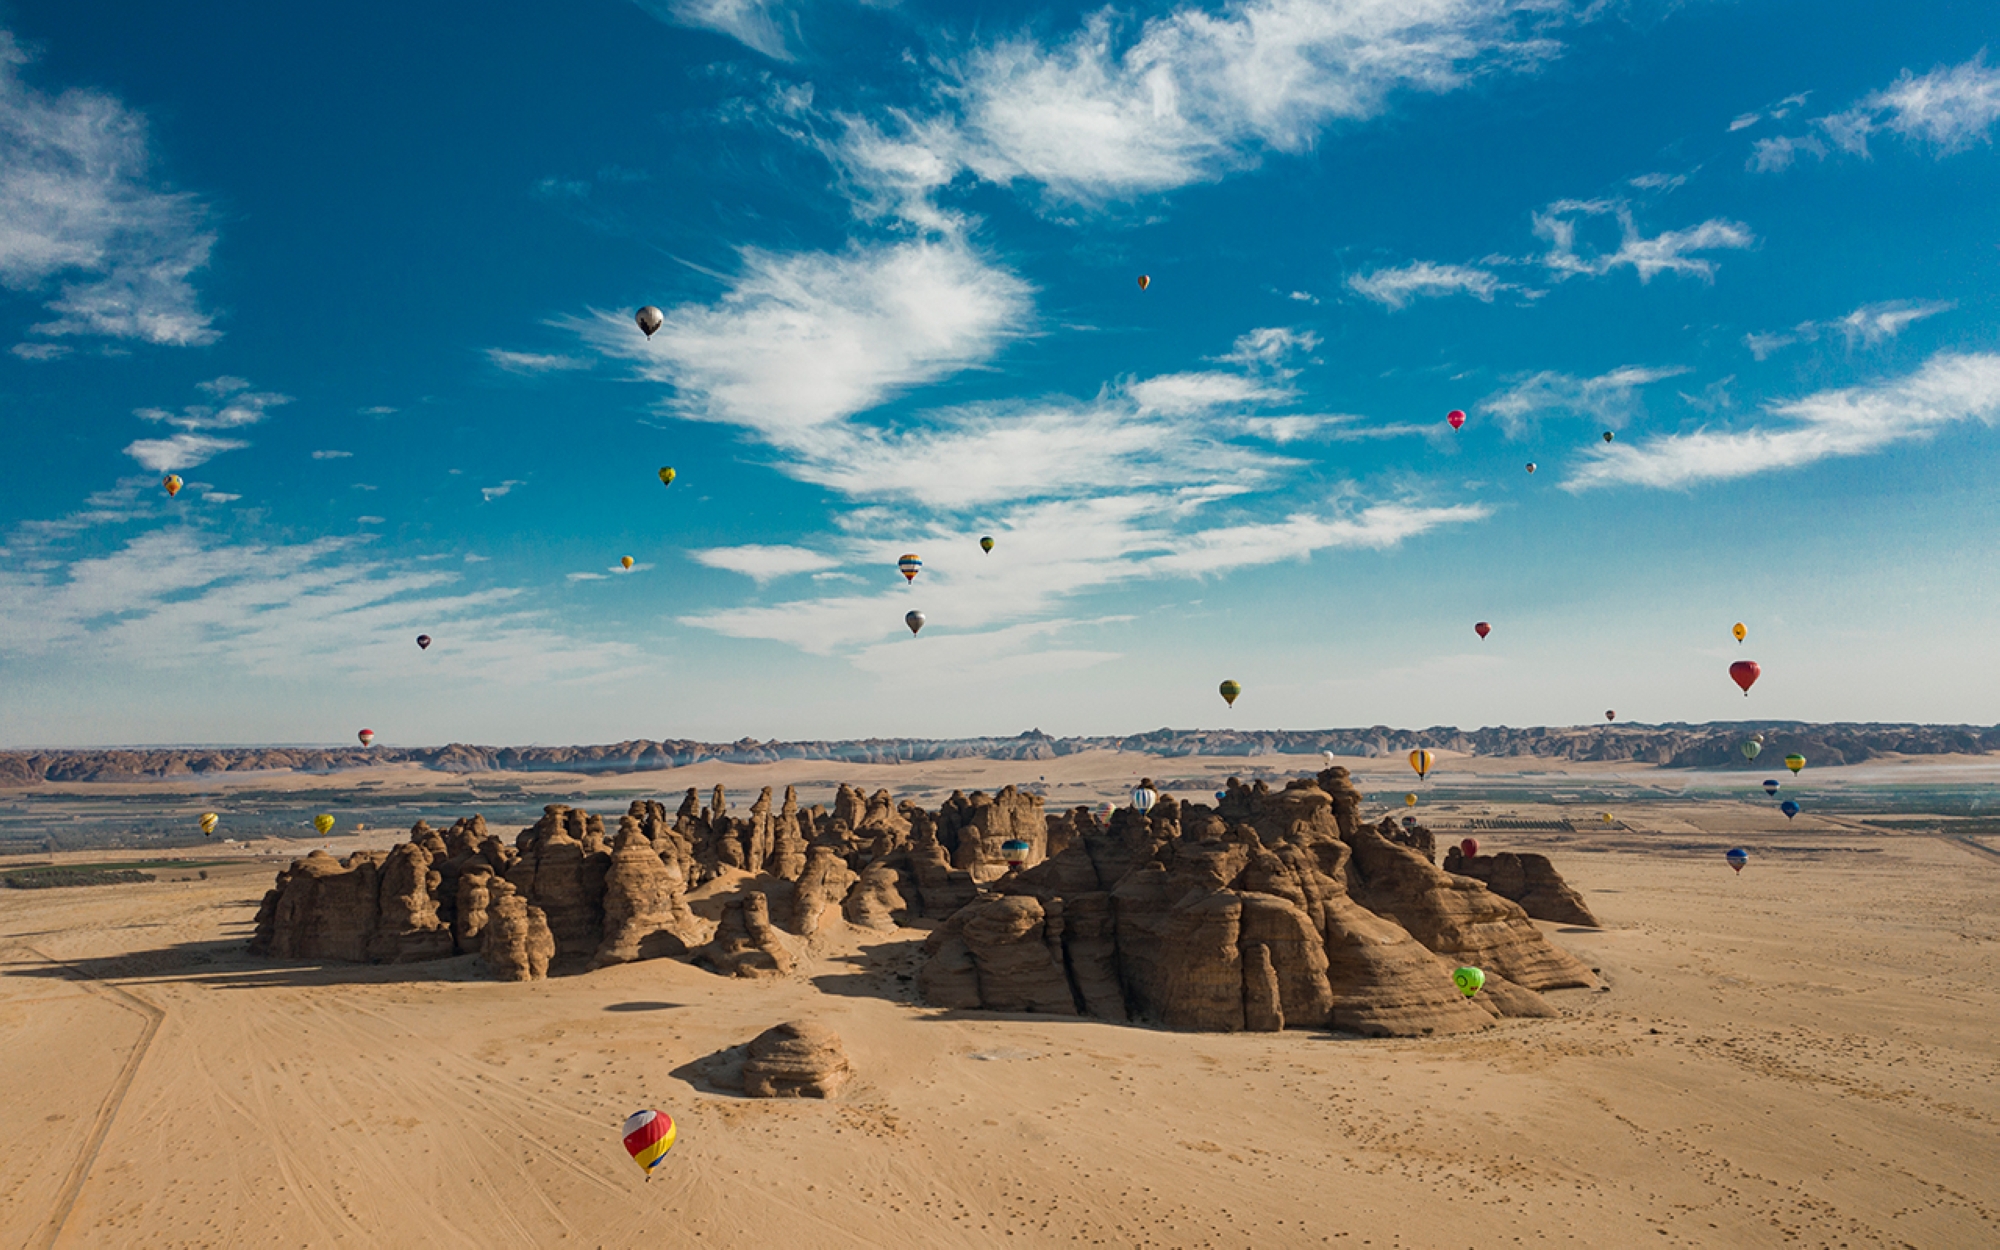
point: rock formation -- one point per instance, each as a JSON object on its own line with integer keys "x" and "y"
{"x": 801, "y": 1059}
{"x": 1528, "y": 879}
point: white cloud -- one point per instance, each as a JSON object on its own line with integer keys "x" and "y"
{"x": 1269, "y": 347}
{"x": 40, "y": 351}
{"x": 1868, "y": 325}
{"x": 533, "y": 362}
{"x": 1666, "y": 252}
{"x": 1425, "y": 279}
{"x": 371, "y": 520}
{"x": 1610, "y": 397}
{"x": 333, "y": 455}
{"x": 379, "y": 410}
{"x": 1776, "y": 112}
{"x": 1658, "y": 182}
{"x": 763, "y": 563}
{"x": 181, "y": 451}
{"x": 240, "y": 407}
{"x": 1853, "y": 421}
{"x": 1179, "y": 394}
{"x": 219, "y": 496}
{"x": 1949, "y": 109}
{"x": 77, "y": 207}
{"x": 1770, "y": 155}
{"x": 756, "y": 24}
{"x": 491, "y": 493}
{"x": 800, "y": 341}
{"x": 1301, "y": 534}
{"x": 585, "y": 577}
{"x": 1304, "y": 297}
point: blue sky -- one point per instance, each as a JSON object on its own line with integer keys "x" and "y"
{"x": 364, "y": 277}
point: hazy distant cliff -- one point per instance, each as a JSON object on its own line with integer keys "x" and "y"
{"x": 1673, "y": 745}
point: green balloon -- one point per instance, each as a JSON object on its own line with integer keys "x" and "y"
{"x": 1468, "y": 980}
{"x": 1750, "y": 748}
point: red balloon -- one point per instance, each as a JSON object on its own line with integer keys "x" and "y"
{"x": 1745, "y": 674}
{"x": 1455, "y": 419}
{"x": 1482, "y": 629}
{"x": 1469, "y": 847}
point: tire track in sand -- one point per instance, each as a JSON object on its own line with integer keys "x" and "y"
{"x": 107, "y": 1112}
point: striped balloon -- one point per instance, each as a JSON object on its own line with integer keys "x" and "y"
{"x": 910, "y": 566}
{"x": 209, "y": 820}
{"x": 1144, "y": 797}
{"x": 649, "y": 1135}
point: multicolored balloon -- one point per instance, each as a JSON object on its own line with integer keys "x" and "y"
{"x": 1455, "y": 419}
{"x": 666, "y": 475}
{"x": 909, "y": 565}
{"x": 1795, "y": 762}
{"x": 914, "y": 619}
{"x": 650, "y": 319}
{"x": 1015, "y": 852}
{"x": 1144, "y": 797}
{"x": 1738, "y": 630}
{"x": 1745, "y": 674}
{"x": 1422, "y": 760}
{"x": 1737, "y": 857}
{"x": 209, "y": 820}
{"x": 1468, "y": 847}
{"x": 1145, "y": 280}
{"x": 172, "y": 482}
{"x": 1468, "y": 980}
{"x": 1531, "y": 466}
{"x": 1229, "y": 691}
{"x": 986, "y": 544}
{"x": 323, "y": 823}
{"x": 367, "y": 737}
{"x": 1610, "y": 714}
{"x": 1770, "y": 786}
{"x": 1789, "y": 808}
{"x": 1609, "y": 436}
{"x": 423, "y": 642}
{"x": 649, "y": 1135}
{"x": 1482, "y": 629}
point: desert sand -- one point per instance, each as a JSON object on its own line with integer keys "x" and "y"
{"x": 1802, "y": 1054}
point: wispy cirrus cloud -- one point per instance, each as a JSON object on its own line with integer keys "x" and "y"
{"x": 1949, "y": 389}
{"x": 764, "y": 563}
{"x": 532, "y": 363}
{"x": 1868, "y": 325}
{"x": 761, "y": 25}
{"x": 1670, "y": 251}
{"x": 79, "y": 208}
{"x": 1611, "y": 398}
{"x": 1398, "y": 287}
{"x": 490, "y": 493}
{"x": 1947, "y": 110}
{"x": 1773, "y": 112}
{"x": 235, "y": 405}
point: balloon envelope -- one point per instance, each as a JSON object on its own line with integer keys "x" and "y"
{"x": 624, "y": 562}
{"x": 650, "y": 319}
{"x": 1770, "y": 785}
{"x": 1609, "y": 436}
{"x": 1789, "y": 808}
{"x": 1740, "y": 632}
{"x": 1421, "y": 761}
{"x": 1795, "y": 762}
{"x": 1145, "y": 280}
{"x": 1409, "y": 800}
{"x": 1015, "y": 851}
{"x": 1144, "y": 797}
{"x": 1468, "y": 980}
{"x": 1610, "y": 714}
{"x": 1737, "y": 857}
{"x": 323, "y": 823}
{"x": 986, "y": 543}
{"x": 1455, "y": 419}
{"x": 1531, "y": 466}
{"x": 1750, "y": 748}
{"x": 1469, "y": 847}
{"x": 172, "y": 482}
{"x": 909, "y": 565}
{"x": 367, "y": 737}
{"x": 648, "y": 1137}
{"x": 1482, "y": 629}
{"x": 666, "y": 475}
{"x": 423, "y": 642}
{"x": 1229, "y": 691}
{"x": 1745, "y": 674}
{"x": 208, "y": 822}
{"x": 914, "y": 619}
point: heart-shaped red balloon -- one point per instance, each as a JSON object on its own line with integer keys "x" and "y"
{"x": 1455, "y": 419}
{"x": 1482, "y": 629}
{"x": 1745, "y": 674}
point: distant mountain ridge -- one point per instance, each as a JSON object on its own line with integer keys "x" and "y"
{"x": 1675, "y": 745}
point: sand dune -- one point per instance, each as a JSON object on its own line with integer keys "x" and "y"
{"x": 1799, "y": 1055}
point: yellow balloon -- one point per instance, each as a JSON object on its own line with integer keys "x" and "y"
{"x": 208, "y": 822}
{"x": 1421, "y": 761}
{"x": 1409, "y": 800}
{"x": 1740, "y": 632}
{"x": 323, "y": 823}
{"x": 626, "y": 561}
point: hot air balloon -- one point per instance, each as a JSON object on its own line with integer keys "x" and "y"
{"x": 1015, "y": 852}
{"x": 1220, "y": 796}
{"x": 209, "y": 820}
{"x": 423, "y": 642}
{"x": 1482, "y": 629}
{"x": 1144, "y": 797}
{"x": 910, "y": 566}
{"x": 649, "y": 1135}
{"x": 1531, "y": 466}
{"x": 1409, "y": 822}
{"x": 624, "y": 562}
{"x": 1468, "y": 980}
{"x": 1770, "y": 785}
{"x": 1740, "y": 632}
{"x": 172, "y": 482}
{"x": 1455, "y": 419}
{"x": 1422, "y": 760}
{"x": 1795, "y": 762}
{"x": 986, "y": 544}
{"x": 1605, "y": 817}
{"x": 1757, "y": 738}
{"x": 1328, "y": 757}
{"x": 1230, "y": 690}
{"x": 666, "y": 475}
{"x": 1737, "y": 857}
{"x": 1104, "y": 811}
{"x": 1469, "y": 847}
{"x": 1145, "y": 280}
{"x": 914, "y": 619}
{"x": 1745, "y": 674}
{"x": 1610, "y": 714}
{"x": 367, "y": 737}
{"x": 1789, "y": 808}
{"x": 650, "y": 319}
{"x": 1409, "y": 800}
{"x": 323, "y": 823}
{"x": 1609, "y": 436}
{"x": 1750, "y": 748}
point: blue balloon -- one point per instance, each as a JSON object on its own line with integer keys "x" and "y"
{"x": 1770, "y": 787}
{"x": 1789, "y": 808}
{"x": 1737, "y": 857}
{"x": 1219, "y": 796}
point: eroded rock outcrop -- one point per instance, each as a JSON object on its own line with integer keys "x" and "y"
{"x": 1528, "y": 879}
{"x": 799, "y": 1059}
